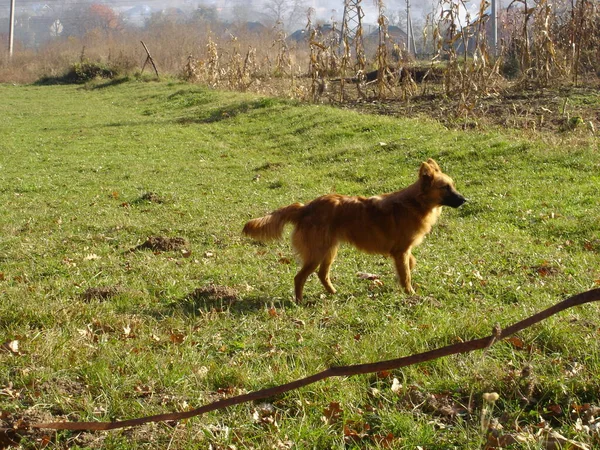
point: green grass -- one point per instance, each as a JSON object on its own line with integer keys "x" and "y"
{"x": 76, "y": 163}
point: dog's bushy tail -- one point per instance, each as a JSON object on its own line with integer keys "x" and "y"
{"x": 270, "y": 227}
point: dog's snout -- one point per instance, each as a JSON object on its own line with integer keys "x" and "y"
{"x": 454, "y": 200}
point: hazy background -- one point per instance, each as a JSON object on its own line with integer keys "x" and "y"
{"x": 260, "y": 10}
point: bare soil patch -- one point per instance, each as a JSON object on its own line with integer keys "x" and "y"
{"x": 101, "y": 293}
{"x": 163, "y": 244}
{"x": 213, "y": 292}
{"x": 558, "y": 110}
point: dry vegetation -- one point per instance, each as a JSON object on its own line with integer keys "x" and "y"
{"x": 542, "y": 46}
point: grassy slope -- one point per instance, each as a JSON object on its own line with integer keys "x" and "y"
{"x": 75, "y": 163}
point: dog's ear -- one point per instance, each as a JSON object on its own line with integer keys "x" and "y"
{"x": 434, "y": 165}
{"x": 426, "y": 173}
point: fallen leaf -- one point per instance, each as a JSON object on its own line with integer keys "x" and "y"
{"x": 556, "y": 441}
{"x": 396, "y": 386}
{"x": 127, "y": 332}
{"x": 332, "y": 413}
{"x": 177, "y": 338}
{"x": 516, "y": 342}
{"x": 12, "y": 347}
{"x": 367, "y": 276}
{"x": 299, "y": 323}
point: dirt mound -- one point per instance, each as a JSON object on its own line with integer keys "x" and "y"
{"x": 213, "y": 292}
{"x": 101, "y": 293}
{"x": 163, "y": 244}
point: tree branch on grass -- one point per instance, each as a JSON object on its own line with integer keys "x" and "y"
{"x": 341, "y": 371}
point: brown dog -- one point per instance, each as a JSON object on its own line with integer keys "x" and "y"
{"x": 389, "y": 224}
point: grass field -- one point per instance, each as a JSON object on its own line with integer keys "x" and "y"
{"x": 108, "y": 330}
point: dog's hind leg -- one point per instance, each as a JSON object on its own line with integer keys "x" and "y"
{"x": 404, "y": 261}
{"x": 300, "y": 278}
{"x": 324, "y": 269}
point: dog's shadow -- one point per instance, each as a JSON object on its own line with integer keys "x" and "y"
{"x": 218, "y": 299}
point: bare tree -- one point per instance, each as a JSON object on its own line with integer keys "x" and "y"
{"x": 287, "y": 12}
{"x": 276, "y": 10}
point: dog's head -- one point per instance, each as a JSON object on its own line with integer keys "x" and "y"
{"x": 438, "y": 187}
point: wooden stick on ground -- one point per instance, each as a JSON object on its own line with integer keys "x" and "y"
{"x": 342, "y": 371}
{"x": 149, "y": 58}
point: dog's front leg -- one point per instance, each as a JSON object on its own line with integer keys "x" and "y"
{"x": 404, "y": 261}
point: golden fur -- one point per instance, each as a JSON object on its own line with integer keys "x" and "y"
{"x": 389, "y": 224}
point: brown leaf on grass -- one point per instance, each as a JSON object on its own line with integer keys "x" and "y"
{"x": 384, "y": 374}
{"x": 386, "y": 441}
{"x": 9, "y": 438}
{"x": 272, "y": 312}
{"x": 143, "y": 390}
{"x": 228, "y": 390}
{"x": 587, "y": 412}
{"x": 552, "y": 440}
{"x": 554, "y": 410}
{"x": 332, "y": 413}
{"x": 497, "y": 440}
{"x": 545, "y": 269}
{"x": 2, "y": 276}
{"x": 177, "y": 338}
{"x": 299, "y": 323}
{"x": 355, "y": 431}
{"x": 265, "y": 414}
{"x": 100, "y": 328}
{"x": 516, "y": 342}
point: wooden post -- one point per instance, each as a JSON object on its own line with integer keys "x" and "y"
{"x": 494, "y": 14}
{"x": 149, "y": 58}
{"x": 11, "y": 26}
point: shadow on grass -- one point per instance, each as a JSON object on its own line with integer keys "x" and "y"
{"x": 113, "y": 82}
{"x": 231, "y": 111}
{"x": 216, "y": 299}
